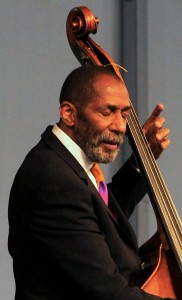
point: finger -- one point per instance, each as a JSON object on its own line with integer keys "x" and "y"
{"x": 165, "y": 144}
{"x": 160, "y": 122}
{"x": 163, "y": 134}
{"x": 157, "y": 110}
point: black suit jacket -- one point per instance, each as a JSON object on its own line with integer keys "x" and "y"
{"x": 64, "y": 241}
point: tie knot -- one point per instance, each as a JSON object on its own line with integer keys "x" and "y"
{"x": 97, "y": 172}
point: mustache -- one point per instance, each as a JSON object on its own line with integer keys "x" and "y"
{"x": 111, "y": 138}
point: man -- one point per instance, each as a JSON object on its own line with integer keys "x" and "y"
{"x": 66, "y": 243}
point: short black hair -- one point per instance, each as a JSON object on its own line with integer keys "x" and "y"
{"x": 78, "y": 86}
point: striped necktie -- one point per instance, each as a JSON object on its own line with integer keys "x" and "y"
{"x": 100, "y": 180}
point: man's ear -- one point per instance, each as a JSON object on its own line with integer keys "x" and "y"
{"x": 67, "y": 113}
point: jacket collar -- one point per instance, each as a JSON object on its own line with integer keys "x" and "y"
{"x": 53, "y": 142}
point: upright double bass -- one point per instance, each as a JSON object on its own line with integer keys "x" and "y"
{"x": 161, "y": 255}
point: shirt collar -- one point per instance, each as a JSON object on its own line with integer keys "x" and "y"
{"x": 75, "y": 150}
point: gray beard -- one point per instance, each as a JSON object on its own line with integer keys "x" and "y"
{"x": 91, "y": 146}
{"x": 90, "y": 140}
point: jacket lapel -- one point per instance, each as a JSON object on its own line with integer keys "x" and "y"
{"x": 121, "y": 220}
{"x": 117, "y": 215}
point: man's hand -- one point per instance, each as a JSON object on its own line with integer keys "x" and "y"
{"x": 155, "y": 133}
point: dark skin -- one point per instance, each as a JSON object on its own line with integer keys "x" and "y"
{"x": 107, "y": 115}
{"x": 155, "y": 132}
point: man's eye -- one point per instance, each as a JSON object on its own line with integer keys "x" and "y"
{"x": 106, "y": 113}
{"x": 124, "y": 116}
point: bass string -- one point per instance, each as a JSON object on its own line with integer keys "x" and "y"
{"x": 164, "y": 201}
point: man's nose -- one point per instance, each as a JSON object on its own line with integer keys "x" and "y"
{"x": 118, "y": 123}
